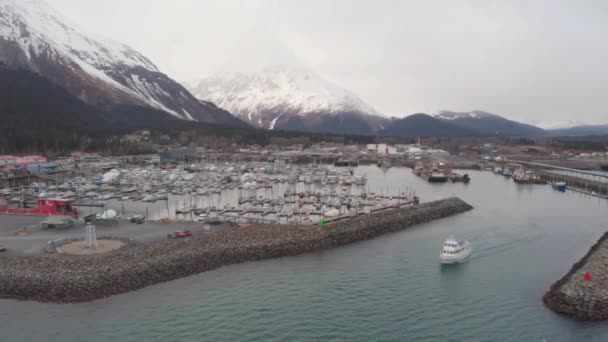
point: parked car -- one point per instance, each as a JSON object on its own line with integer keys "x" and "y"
{"x": 137, "y": 219}
{"x": 180, "y": 234}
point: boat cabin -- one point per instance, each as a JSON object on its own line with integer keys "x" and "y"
{"x": 56, "y": 207}
{"x": 46, "y": 207}
{"x": 451, "y": 246}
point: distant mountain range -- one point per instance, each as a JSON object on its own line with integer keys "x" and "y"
{"x": 424, "y": 125}
{"x": 477, "y": 123}
{"x": 35, "y": 37}
{"x": 579, "y": 130}
{"x": 489, "y": 124}
{"x": 114, "y": 84}
{"x": 451, "y": 124}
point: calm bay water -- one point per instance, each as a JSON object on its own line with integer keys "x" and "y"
{"x": 388, "y": 289}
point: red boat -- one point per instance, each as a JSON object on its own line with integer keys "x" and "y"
{"x": 45, "y": 207}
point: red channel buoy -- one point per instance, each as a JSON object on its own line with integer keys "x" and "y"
{"x": 587, "y": 276}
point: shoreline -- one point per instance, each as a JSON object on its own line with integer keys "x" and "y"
{"x": 68, "y": 278}
{"x": 583, "y": 299}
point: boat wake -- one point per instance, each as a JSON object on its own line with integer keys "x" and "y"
{"x": 485, "y": 248}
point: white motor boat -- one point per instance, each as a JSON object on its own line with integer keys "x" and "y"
{"x": 331, "y": 213}
{"x": 454, "y": 251}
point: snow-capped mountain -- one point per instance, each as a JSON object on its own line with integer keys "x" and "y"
{"x": 476, "y": 114}
{"x": 289, "y": 97}
{"x": 35, "y": 37}
{"x": 488, "y": 124}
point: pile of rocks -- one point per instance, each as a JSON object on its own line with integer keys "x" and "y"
{"x": 583, "y": 292}
{"x": 69, "y": 278}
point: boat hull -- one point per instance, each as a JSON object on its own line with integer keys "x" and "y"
{"x": 437, "y": 179}
{"x": 457, "y": 258}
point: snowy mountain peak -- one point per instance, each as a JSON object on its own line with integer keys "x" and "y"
{"x": 35, "y": 26}
{"x": 277, "y": 91}
{"x": 475, "y": 114}
{"x": 35, "y": 37}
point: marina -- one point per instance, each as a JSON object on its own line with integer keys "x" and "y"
{"x": 268, "y": 171}
{"x": 256, "y": 192}
{"x": 503, "y": 301}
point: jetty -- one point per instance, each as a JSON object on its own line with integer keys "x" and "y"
{"x": 65, "y": 278}
{"x": 583, "y": 292}
{"x": 584, "y": 181}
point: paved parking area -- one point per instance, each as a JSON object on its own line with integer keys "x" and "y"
{"x": 37, "y": 239}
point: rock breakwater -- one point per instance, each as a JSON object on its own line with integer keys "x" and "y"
{"x": 580, "y": 297}
{"x": 68, "y": 278}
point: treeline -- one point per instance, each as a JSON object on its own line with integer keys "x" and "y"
{"x": 597, "y": 143}
{"x": 38, "y": 116}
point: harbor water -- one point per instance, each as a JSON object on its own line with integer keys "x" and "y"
{"x": 524, "y": 238}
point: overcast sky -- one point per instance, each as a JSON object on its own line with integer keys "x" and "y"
{"x": 542, "y": 62}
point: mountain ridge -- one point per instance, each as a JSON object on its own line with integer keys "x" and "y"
{"x": 489, "y": 124}
{"x": 35, "y": 37}
{"x": 425, "y": 125}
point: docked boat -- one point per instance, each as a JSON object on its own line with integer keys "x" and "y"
{"x": 521, "y": 177}
{"x": 331, "y": 213}
{"x": 457, "y": 178}
{"x": 419, "y": 169}
{"x": 454, "y": 251}
{"x": 44, "y": 207}
{"x": 437, "y": 174}
{"x": 559, "y": 186}
{"x": 384, "y": 164}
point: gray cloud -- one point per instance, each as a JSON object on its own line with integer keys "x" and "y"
{"x": 541, "y": 62}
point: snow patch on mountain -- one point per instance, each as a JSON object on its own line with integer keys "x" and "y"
{"x": 277, "y": 89}
{"x": 41, "y": 33}
{"x": 273, "y": 123}
{"x": 475, "y": 114}
{"x": 44, "y": 26}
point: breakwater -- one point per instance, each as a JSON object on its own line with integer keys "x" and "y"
{"x": 69, "y": 278}
{"x": 580, "y": 297}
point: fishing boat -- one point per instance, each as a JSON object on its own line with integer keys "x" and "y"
{"x": 384, "y": 164}
{"x": 437, "y": 174}
{"x": 454, "y": 251}
{"x": 457, "y": 178}
{"x": 418, "y": 169}
{"x": 521, "y": 177}
{"x": 331, "y": 213}
{"x": 44, "y": 207}
{"x": 559, "y": 186}
{"x": 360, "y": 180}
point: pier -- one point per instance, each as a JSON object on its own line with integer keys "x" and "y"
{"x": 26, "y": 179}
{"x": 588, "y": 182}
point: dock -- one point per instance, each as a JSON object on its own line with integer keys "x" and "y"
{"x": 588, "y": 182}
